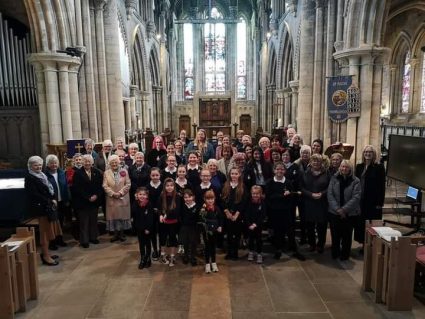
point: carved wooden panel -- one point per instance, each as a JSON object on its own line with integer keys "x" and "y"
{"x": 19, "y": 135}
{"x": 245, "y": 121}
{"x": 214, "y": 116}
{"x": 184, "y": 124}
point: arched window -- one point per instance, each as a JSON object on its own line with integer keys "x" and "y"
{"x": 405, "y": 93}
{"x": 422, "y": 109}
{"x": 215, "y": 54}
{"x": 241, "y": 60}
{"x": 189, "y": 83}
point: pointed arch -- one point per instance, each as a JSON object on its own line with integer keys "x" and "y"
{"x": 139, "y": 69}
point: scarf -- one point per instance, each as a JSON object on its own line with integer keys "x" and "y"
{"x": 143, "y": 203}
{"x": 43, "y": 178}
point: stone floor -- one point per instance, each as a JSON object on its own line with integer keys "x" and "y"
{"x": 104, "y": 282}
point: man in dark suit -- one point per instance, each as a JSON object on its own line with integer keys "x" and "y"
{"x": 88, "y": 193}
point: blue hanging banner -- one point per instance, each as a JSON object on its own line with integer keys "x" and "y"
{"x": 74, "y": 146}
{"x": 338, "y": 97}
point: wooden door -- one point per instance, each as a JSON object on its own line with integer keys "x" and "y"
{"x": 184, "y": 124}
{"x": 245, "y": 123}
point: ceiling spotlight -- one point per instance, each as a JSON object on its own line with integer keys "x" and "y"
{"x": 158, "y": 36}
{"x": 268, "y": 35}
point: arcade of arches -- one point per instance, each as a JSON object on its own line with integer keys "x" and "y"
{"x": 134, "y": 64}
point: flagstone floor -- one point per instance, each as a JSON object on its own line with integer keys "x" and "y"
{"x": 104, "y": 282}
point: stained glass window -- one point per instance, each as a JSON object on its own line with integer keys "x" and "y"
{"x": 189, "y": 83}
{"x": 241, "y": 60}
{"x": 215, "y": 54}
{"x": 422, "y": 110}
{"x": 405, "y": 94}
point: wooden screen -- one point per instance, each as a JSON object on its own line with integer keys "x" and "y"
{"x": 184, "y": 124}
{"x": 214, "y": 116}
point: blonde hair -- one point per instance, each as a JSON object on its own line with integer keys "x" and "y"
{"x": 374, "y": 152}
{"x": 349, "y": 164}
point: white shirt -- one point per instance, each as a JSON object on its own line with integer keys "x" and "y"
{"x": 55, "y": 175}
{"x": 205, "y": 186}
{"x": 169, "y": 171}
{"x": 155, "y": 185}
{"x": 279, "y": 180}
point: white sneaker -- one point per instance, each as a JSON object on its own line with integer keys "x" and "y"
{"x": 207, "y": 268}
{"x": 259, "y": 259}
{"x": 250, "y": 256}
{"x": 214, "y": 267}
{"x": 164, "y": 259}
{"x": 172, "y": 261}
{"x": 181, "y": 250}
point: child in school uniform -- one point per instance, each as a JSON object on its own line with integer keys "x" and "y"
{"x": 204, "y": 186}
{"x": 189, "y": 219}
{"x": 234, "y": 199}
{"x": 182, "y": 182}
{"x": 170, "y": 205}
{"x": 254, "y": 217}
{"x": 280, "y": 198}
{"x": 143, "y": 219}
{"x": 212, "y": 220}
{"x": 193, "y": 168}
{"x": 170, "y": 171}
{"x": 155, "y": 188}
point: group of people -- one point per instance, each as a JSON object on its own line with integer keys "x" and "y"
{"x": 219, "y": 194}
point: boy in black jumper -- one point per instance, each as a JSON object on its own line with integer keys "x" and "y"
{"x": 143, "y": 218}
{"x": 279, "y": 194}
{"x": 189, "y": 218}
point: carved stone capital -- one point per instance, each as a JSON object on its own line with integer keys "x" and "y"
{"x": 339, "y": 45}
{"x": 291, "y": 6}
{"x": 233, "y": 12}
{"x": 100, "y": 4}
{"x": 130, "y": 7}
{"x": 319, "y": 4}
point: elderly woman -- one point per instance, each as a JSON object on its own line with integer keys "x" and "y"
{"x": 88, "y": 194}
{"x": 217, "y": 178}
{"x": 372, "y": 178}
{"x": 89, "y": 148}
{"x": 344, "y": 206}
{"x": 335, "y": 160}
{"x": 42, "y": 204}
{"x": 119, "y": 144}
{"x": 116, "y": 184}
{"x": 314, "y": 186}
{"x": 295, "y": 146}
{"x": 139, "y": 174}
{"x": 290, "y": 132}
{"x": 101, "y": 161}
{"x": 264, "y": 143}
{"x": 122, "y": 155}
{"x": 57, "y": 178}
{"x": 133, "y": 148}
{"x": 201, "y": 144}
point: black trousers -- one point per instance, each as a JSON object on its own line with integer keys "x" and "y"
{"x": 168, "y": 234}
{"x": 255, "y": 240}
{"x": 341, "y": 234}
{"x": 144, "y": 244}
{"x": 189, "y": 238}
{"x": 320, "y": 229}
{"x": 154, "y": 234}
{"x": 210, "y": 241}
{"x": 88, "y": 224}
{"x": 282, "y": 226}
{"x": 234, "y": 230}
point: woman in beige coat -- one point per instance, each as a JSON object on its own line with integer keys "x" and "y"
{"x": 116, "y": 184}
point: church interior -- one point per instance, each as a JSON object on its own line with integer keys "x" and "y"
{"x": 134, "y": 69}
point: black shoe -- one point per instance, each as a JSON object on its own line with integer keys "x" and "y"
{"x": 312, "y": 248}
{"x": 122, "y": 238}
{"x": 155, "y": 256}
{"x": 185, "y": 260}
{"x": 228, "y": 257}
{"x": 235, "y": 257}
{"x": 114, "y": 239}
{"x": 148, "y": 263}
{"x": 84, "y": 245}
{"x": 277, "y": 255}
{"x": 142, "y": 264}
{"x": 193, "y": 262}
{"x": 59, "y": 242}
{"x": 52, "y": 245}
{"x": 344, "y": 258}
{"x": 320, "y": 249}
{"x": 298, "y": 256}
{"x": 95, "y": 241}
{"x": 54, "y": 257}
{"x": 54, "y": 263}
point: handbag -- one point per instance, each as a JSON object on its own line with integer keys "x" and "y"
{"x": 51, "y": 212}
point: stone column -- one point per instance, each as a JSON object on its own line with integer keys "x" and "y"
{"x": 305, "y": 101}
{"x": 414, "y": 107}
{"x": 317, "y": 120}
{"x": 127, "y": 116}
{"x": 42, "y": 105}
{"x": 352, "y": 121}
{"x": 52, "y": 102}
{"x": 113, "y": 69}
{"x": 133, "y": 109}
{"x": 392, "y": 96}
{"x": 294, "y": 85}
{"x": 89, "y": 118}
{"x": 65, "y": 104}
{"x": 101, "y": 70}
{"x": 144, "y": 112}
{"x": 78, "y": 22}
{"x": 231, "y": 52}
{"x": 74, "y": 101}
{"x": 287, "y": 107}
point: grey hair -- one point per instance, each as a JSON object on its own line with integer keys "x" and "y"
{"x": 349, "y": 164}
{"x": 77, "y": 155}
{"x": 139, "y": 153}
{"x": 107, "y": 143}
{"x": 88, "y": 141}
{"x": 88, "y": 157}
{"x": 51, "y": 158}
{"x": 212, "y": 161}
{"x": 113, "y": 158}
{"x": 34, "y": 159}
{"x": 305, "y": 148}
{"x": 131, "y": 145}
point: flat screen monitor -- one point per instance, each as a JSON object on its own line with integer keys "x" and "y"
{"x": 406, "y": 160}
{"x": 412, "y": 193}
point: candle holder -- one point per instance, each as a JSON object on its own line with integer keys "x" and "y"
{"x": 235, "y": 129}
{"x": 194, "y": 125}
